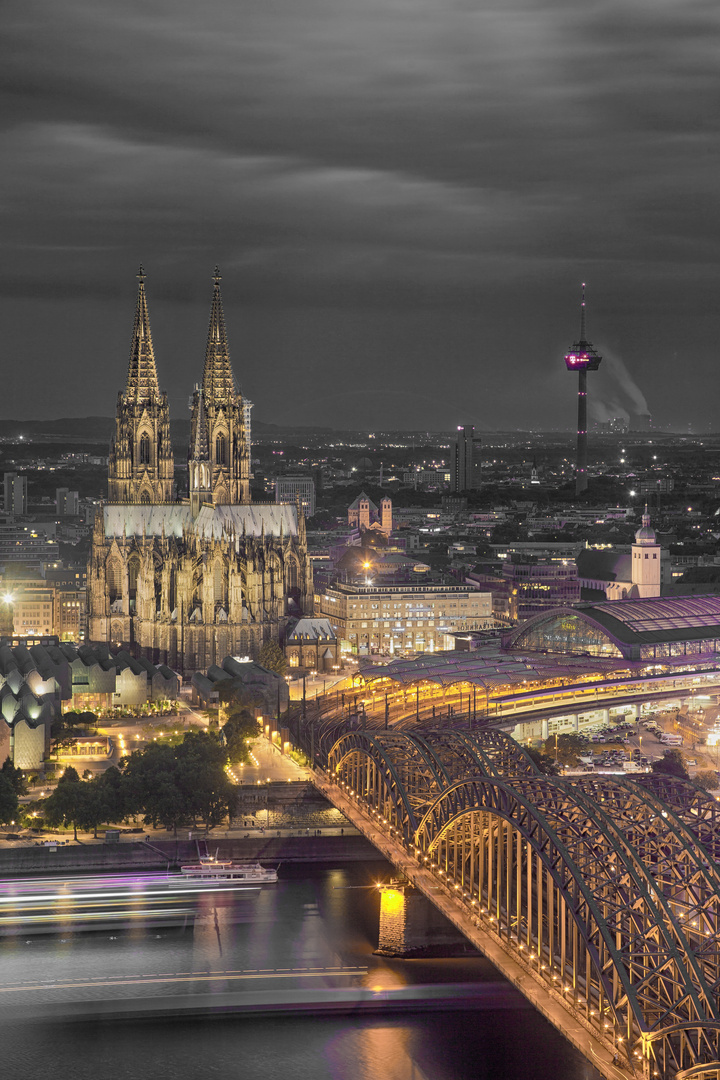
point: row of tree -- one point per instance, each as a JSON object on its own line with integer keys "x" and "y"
{"x": 168, "y": 785}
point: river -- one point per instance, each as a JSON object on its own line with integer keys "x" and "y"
{"x": 285, "y": 936}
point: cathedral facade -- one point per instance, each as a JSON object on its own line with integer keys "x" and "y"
{"x": 189, "y": 581}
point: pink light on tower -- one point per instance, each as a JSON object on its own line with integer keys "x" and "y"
{"x": 582, "y": 358}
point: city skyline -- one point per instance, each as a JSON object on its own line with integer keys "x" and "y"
{"x": 402, "y": 209}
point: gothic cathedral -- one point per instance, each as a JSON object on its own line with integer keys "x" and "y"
{"x": 189, "y": 581}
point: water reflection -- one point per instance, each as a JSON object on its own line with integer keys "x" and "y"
{"x": 280, "y": 940}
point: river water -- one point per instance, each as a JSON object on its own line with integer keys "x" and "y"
{"x": 313, "y": 919}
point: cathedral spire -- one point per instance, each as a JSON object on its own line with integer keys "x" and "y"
{"x": 218, "y": 381}
{"x": 140, "y": 463}
{"x": 142, "y": 380}
{"x": 217, "y": 409}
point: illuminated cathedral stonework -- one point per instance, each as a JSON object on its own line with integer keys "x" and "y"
{"x": 188, "y": 582}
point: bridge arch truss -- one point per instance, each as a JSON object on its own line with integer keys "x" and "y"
{"x": 601, "y": 887}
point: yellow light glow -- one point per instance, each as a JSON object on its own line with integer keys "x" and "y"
{"x": 392, "y": 902}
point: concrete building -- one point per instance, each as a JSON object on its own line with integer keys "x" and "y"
{"x": 33, "y": 544}
{"x": 67, "y": 503}
{"x": 290, "y": 489}
{"x": 464, "y": 460}
{"x": 403, "y": 618}
{"x": 42, "y": 679}
{"x": 54, "y": 604}
{"x": 15, "y": 494}
{"x": 265, "y": 688}
{"x": 521, "y": 590}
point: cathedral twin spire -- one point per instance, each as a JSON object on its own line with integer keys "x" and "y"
{"x": 141, "y": 467}
{"x": 218, "y": 380}
{"x": 142, "y": 380}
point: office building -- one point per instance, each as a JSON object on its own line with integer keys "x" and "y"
{"x": 15, "y": 493}
{"x": 291, "y": 489}
{"x": 403, "y": 618}
{"x": 466, "y": 466}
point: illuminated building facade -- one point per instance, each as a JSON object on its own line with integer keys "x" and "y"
{"x": 363, "y": 514}
{"x": 403, "y": 618}
{"x": 185, "y": 583}
{"x": 582, "y": 358}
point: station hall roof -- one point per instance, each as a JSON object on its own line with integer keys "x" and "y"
{"x": 486, "y": 667}
{"x": 657, "y": 619}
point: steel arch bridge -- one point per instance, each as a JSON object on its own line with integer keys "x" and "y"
{"x": 606, "y": 891}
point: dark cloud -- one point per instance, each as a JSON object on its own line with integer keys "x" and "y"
{"x": 410, "y": 188}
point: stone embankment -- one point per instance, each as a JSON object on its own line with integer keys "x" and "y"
{"x": 171, "y": 854}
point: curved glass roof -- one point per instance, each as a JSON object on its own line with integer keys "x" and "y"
{"x": 661, "y": 613}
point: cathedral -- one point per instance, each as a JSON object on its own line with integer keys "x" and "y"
{"x": 189, "y": 581}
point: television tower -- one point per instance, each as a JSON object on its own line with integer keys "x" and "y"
{"x": 582, "y": 358}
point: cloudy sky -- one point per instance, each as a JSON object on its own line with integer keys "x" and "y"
{"x": 403, "y": 197}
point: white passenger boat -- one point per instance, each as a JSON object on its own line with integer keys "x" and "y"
{"x": 213, "y": 871}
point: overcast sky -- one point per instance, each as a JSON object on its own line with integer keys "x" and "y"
{"x": 403, "y": 197}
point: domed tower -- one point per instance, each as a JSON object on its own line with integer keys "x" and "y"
{"x": 141, "y": 466}
{"x": 646, "y": 557}
{"x": 219, "y": 407}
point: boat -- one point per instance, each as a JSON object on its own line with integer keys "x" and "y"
{"x": 211, "y": 870}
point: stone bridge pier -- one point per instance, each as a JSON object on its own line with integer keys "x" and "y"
{"x": 410, "y": 925}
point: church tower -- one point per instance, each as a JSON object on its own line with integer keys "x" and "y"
{"x": 141, "y": 467}
{"x": 219, "y": 407}
{"x": 646, "y": 559}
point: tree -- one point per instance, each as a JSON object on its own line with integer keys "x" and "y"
{"x": 568, "y": 748}
{"x": 672, "y": 763}
{"x": 544, "y": 762}
{"x": 272, "y": 657}
{"x": 151, "y": 787}
{"x": 207, "y": 790}
{"x": 8, "y": 801}
{"x": 15, "y": 776}
{"x": 171, "y": 785}
{"x": 66, "y": 805}
{"x": 706, "y": 779}
{"x": 241, "y": 725}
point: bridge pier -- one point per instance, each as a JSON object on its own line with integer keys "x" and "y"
{"x": 411, "y": 925}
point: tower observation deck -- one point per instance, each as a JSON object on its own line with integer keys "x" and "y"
{"x": 582, "y": 358}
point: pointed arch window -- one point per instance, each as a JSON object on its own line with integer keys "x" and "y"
{"x": 221, "y": 450}
{"x": 133, "y": 574}
{"x": 114, "y": 579}
{"x": 144, "y": 449}
{"x": 145, "y": 497}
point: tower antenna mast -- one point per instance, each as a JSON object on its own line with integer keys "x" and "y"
{"x": 582, "y": 358}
